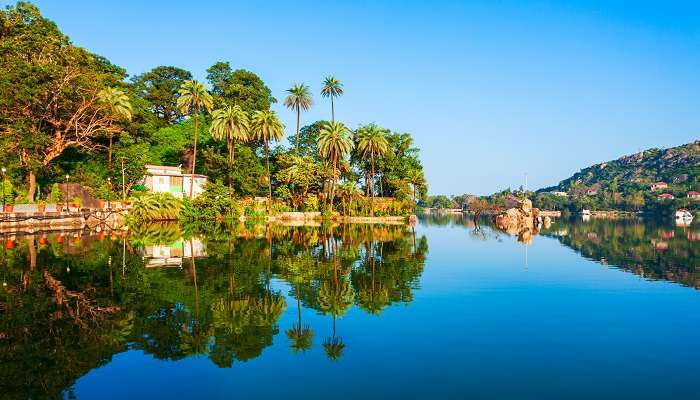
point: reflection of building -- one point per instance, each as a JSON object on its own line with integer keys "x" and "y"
{"x": 171, "y": 255}
{"x": 683, "y": 217}
{"x": 164, "y": 179}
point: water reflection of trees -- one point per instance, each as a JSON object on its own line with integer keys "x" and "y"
{"x": 224, "y": 304}
{"x": 650, "y": 249}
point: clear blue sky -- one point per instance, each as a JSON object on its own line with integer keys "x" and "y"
{"x": 489, "y": 89}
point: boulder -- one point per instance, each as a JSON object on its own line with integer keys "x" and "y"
{"x": 521, "y": 220}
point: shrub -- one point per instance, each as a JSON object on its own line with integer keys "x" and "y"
{"x": 8, "y": 192}
{"x": 311, "y": 203}
{"x": 214, "y": 203}
{"x": 55, "y": 196}
{"x": 156, "y": 207}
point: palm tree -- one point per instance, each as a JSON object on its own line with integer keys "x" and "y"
{"x": 334, "y": 144}
{"x": 332, "y": 88}
{"x": 230, "y": 123}
{"x": 372, "y": 143}
{"x": 348, "y": 192}
{"x": 416, "y": 179}
{"x": 118, "y": 106}
{"x": 299, "y": 99}
{"x": 194, "y": 97}
{"x": 265, "y": 126}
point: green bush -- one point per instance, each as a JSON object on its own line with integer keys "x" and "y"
{"x": 156, "y": 207}
{"x": 311, "y": 203}
{"x": 8, "y": 192}
{"x": 55, "y": 196}
{"x": 214, "y": 203}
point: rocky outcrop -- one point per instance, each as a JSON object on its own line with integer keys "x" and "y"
{"x": 523, "y": 221}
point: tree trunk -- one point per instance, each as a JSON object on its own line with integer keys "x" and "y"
{"x": 372, "y": 188}
{"x": 194, "y": 154}
{"x": 332, "y": 110}
{"x": 415, "y": 204}
{"x": 381, "y": 183}
{"x": 229, "y": 144}
{"x": 298, "y": 121}
{"x": 332, "y": 196}
{"x": 109, "y": 152}
{"x": 269, "y": 181}
{"x": 31, "y": 180}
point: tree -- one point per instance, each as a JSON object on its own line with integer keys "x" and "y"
{"x": 239, "y": 87}
{"x": 395, "y": 167}
{"x": 232, "y": 124}
{"x": 417, "y": 180}
{"x": 118, "y": 107}
{"x": 300, "y": 174}
{"x": 477, "y": 207}
{"x": 265, "y": 126}
{"x": 332, "y": 88}
{"x": 308, "y": 140}
{"x": 49, "y": 92}
{"x": 193, "y": 99}
{"x": 160, "y": 87}
{"x": 299, "y": 99}
{"x": 371, "y": 142}
{"x": 334, "y": 144}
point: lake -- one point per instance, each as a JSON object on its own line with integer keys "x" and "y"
{"x": 445, "y": 309}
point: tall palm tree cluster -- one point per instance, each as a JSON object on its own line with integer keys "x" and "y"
{"x": 230, "y": 123}
{"x": 335, "y": 141}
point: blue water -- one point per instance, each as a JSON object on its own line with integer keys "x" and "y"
{"x": 490, "y": 319}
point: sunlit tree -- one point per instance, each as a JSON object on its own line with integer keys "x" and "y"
{"x": 118, "y": 107}
{"x": 194, "y": 98}
{"x": 299, "y": 99}
{"x": 332, "y": 88}
{"x": 334, "y": 144}
{"x": 372, "y": 143}
{"x": 265, "y": 126}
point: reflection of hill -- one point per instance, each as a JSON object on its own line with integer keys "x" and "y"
{"x": 647, "y": 249}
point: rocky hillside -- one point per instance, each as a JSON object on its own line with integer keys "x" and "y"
{"x": 677, "y": 166}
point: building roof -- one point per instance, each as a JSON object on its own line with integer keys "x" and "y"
{"x": 164, "y": 170}
{"x": 164, "y": 167}
{"x": 693, "y": 193}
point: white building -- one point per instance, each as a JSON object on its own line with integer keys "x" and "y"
{"x": 164, "y": 179}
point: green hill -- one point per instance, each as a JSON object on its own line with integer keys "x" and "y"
{"x": 626, "y": 183}
{"x": 677, "y": 166}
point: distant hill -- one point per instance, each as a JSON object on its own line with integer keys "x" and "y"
{"x": 677, "y": 166}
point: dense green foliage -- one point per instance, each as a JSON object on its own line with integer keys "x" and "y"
{"x": 66, "y": 111}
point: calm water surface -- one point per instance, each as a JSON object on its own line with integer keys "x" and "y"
{"x": 596, "y": 309}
